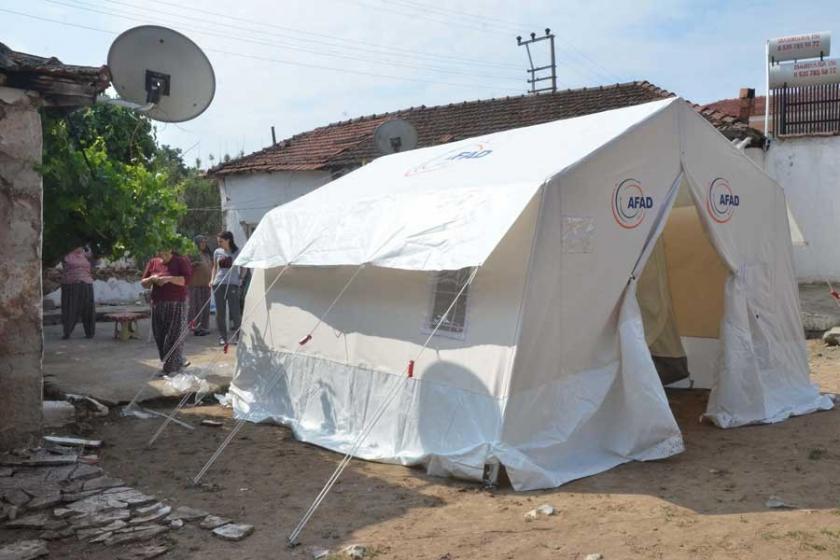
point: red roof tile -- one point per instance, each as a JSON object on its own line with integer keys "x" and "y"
{"x": 731, "y": 106}
{"x": 350, "y": 143}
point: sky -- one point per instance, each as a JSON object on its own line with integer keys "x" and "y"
{"x": 299, "y": 64}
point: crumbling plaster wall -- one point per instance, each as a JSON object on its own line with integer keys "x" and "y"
{"x": 21, "y": 337}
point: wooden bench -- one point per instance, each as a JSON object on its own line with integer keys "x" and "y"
{"x": 125, "y": 324}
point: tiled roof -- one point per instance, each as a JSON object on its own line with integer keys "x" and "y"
{"x": 731, "y": 106}
{"x": 350, "y": 143}
{"x": 59, "y": 84}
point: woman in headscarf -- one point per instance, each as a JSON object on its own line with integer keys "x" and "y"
{"x": 168, "y": 275}
{"x": 77, "y": 293}
{"x": 200, "y": 287}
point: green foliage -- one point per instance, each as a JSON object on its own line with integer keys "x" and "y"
{"x": 102, "y": 186}
{"x": 204, "y": 215}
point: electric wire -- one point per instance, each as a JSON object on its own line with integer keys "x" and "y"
{"x": 273, "y": 59}
{"x": 79, "y": 5}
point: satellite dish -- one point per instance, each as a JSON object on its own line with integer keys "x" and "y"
{"x": 394, "y": 136}
{"x": 162, "y": 73}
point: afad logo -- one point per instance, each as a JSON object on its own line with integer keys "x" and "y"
{"x": 468, "y": 152}
{"x": 721, "y": 201}
{"x": 629, "y": 203}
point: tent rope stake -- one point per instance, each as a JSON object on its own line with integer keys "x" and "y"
{"x": 247, "y": 313}
{"x": 273, "y": 381}
{"x": 292, "y": 540}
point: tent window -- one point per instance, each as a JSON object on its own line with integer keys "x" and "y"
{"x": 448, "y": 284}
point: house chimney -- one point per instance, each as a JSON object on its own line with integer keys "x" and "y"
{"x": 746, "y": 104}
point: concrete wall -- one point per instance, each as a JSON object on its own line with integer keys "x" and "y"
{"x": 247, "y": 198}
{"x": 809, "y": 170}
{"x": 21, "y": 338}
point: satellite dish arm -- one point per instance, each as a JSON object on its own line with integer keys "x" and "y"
{"x": 123, "y": 103}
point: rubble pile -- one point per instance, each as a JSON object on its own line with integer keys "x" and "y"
{"x": 58, "y": 493}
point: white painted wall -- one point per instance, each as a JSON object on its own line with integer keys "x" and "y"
{"x": 809, "y": 170}
{"x": 247, "y": 198}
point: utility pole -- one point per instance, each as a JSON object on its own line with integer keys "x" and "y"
{"x": 538, "y": 73}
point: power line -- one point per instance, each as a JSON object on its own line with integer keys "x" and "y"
{"x": 307, "y": 35}
{"x": 591, "y": 66}
{"x": 271, "y": 59}
{"x": 216, "y": 33}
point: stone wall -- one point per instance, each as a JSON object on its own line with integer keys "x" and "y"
{"x": 21, "y": 337}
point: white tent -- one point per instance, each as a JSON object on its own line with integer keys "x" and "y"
{"x": 544, "y": 363}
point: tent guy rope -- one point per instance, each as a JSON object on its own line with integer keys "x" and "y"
{"x": 409, "y": 374}
{"x": 276, "y": 377}
{"x": 247, "y": 313}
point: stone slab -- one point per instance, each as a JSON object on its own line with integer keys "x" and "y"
{"x": 233, "y": 531}
{"x": 24, "y": 550}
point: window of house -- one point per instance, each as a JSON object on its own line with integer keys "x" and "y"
{"x": 447, "y": 286}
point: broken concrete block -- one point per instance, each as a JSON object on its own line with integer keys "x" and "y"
{"x": 58, "y": 414}
{"x": 73, "y": 441}
{"x": 832, "y": 336}
{"x": 144, "y": 552}
{"x": 93, "y": 532}
{"x": 100, "y": 519}
{"x": 354, "y": 551}
{"x": 154, "y": 515}
{"x": 35, "y": 521}
{"x": 86, "y": 471}
{"x": 233, "y": 531}
{"x": 87, "y": 404}
{"x": 148, "y": 509}
{"x": 319, "y": 553}
{"x": 62, "y": 512}
{"x": 58, "y": 535}
{"x": 77, "y": 496}
{"x": 24, "y": 550}
{"x": 41, "y": 502}
{"x": 60, "y": 474}
{"x": 142, "y": 533}
{"x": 544, "y": 510}
{"x": 187, "y": 514}
{"x": 102, "y": 483}
{"x": 213, "y": 521}
{"x": 15, "y": 496}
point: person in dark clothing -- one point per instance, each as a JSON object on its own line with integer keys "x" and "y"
{"x": 202, "y": 265}
{"x": 226, "y": 279}
{"x": 168, "y": 275}
{"x": 77, "y": 293}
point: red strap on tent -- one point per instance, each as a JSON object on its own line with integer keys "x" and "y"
{"x": 226, "y": 347}
{"x": 305, "y": 339}
{"x": 192, "y": 325}
{"x": 835, "y": 295}
{"x": 410, "y": 368}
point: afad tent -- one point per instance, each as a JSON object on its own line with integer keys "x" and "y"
{"x": 547, "y": 363}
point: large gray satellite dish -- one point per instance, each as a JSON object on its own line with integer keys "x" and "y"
{"x": 395, "y": 135}
{"x": 162, "y": 73}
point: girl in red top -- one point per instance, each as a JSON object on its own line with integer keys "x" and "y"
{"x": 168, "y": 275}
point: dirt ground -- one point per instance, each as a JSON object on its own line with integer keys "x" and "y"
{"x": 709, "y": 502}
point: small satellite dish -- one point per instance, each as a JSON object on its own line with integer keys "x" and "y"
{"x": 162, "y": 73}
{"x": 394, "y": 136}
